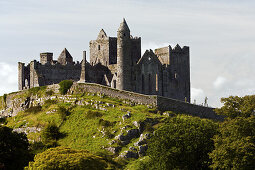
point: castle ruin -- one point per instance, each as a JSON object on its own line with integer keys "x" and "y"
{"x": 116, "y": 62}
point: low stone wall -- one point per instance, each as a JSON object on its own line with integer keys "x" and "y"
{"x": 162, "y": 103}
{"x": 111, "y": 92}
{"x": 165, "y": 104}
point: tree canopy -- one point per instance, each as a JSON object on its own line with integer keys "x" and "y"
{"x": 65, "y": 158}
{"x": 182, "y": 143}
{"x": 235, "y": 144}
{"x": 14, "y": 152}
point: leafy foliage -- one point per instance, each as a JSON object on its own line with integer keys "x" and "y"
{"x": 14, "y": 152}
{"x": 5, "y": 97}
{"x": 63, "y": 112}
{"x": 235, "y": 145}
{"x": 235, "y": 106}
{"x": 50, "y": 135}
{"x": 65, "y": 86}
{"x": 34, "y": 109}
{"x": 93, "y": 114}
{"x": 182, "y": 143}
{"x": 140, "y": 164}
{"x": 65, "y": 158}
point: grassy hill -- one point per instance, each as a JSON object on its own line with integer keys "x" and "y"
{"x": 86, "y": 121}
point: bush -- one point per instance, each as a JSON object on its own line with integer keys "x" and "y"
{"x": 182, "y": 143}
{"x": 63, "y": 112}
{"x": 139, "y": 164}
{"x": 65, "y": 158}
{"x": 14, "y": 152}
{"x": 93, "y": 114}
{"x": 35, "y": 90}
{"x": 49, "y": 92}
{"x": 34, "y": 109}
{"x": 105, "y": 123}
{"x": 49, "y": 102}
{"x": 50, "y": 135}
{"x": 5, "y": 97}
{"x": 65, "y": 85}
{"x": 3, "y": 120}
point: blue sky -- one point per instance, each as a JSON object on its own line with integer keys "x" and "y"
{"x": 220, "y": 34}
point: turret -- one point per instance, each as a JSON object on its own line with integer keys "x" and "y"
{"x": 123, "y": 57}
{"x": 46, "y": 58}
{"x": 83, "y": 69}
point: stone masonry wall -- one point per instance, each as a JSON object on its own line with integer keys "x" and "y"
{"x": 162, "y": 103}
{"x": 111, "y": 92}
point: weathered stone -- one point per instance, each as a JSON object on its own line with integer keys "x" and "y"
{"x": 114, "y": 150}
{"x": 142, "y": 150}
{"x": 126, "y": 116}
{"x": 129, "y": 154}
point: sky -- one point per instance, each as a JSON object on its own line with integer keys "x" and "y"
{"x": 220, "y": 34}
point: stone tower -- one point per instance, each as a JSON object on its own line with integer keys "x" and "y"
{"x": 124, "y": 57}
{"x": 83, "y": 69}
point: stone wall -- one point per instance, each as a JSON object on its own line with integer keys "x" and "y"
{"x": 162, "y": 103}
{"x": 111, "y": 92}
{"x": 165, "y": 104}
{"x": 47, "y": 74}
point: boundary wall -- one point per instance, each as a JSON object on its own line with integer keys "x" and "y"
{"x": 161, "y": 103}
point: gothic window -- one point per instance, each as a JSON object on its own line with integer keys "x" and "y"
{"x": 98, "y": 47}
{"x": 114, "y": 84}
{"x": 142, "y": 83}
{"x": 156, "y": 82}
{"x": 149, "y": 84}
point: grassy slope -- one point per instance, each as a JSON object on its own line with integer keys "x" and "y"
{"x": 83, "y": 125}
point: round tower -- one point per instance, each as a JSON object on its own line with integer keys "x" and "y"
{"x": 123, "y": 57}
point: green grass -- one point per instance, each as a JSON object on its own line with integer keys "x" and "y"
{"x": 82, "y": 124}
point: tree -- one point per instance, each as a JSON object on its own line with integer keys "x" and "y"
{"x": 14, "y": 152}
{"x": 182, "y": 143}
{"x": 235, "y": 106}
{"x": 65, "y": 86}
{"x": 65, "y": 158}
{"x": 235, "y": 144}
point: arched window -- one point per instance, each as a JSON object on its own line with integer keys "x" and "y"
{"x": 98, "y": 47}
{"x": 149, "y": 82}
{"x": 156, "y": 82}
{"x": 142, "y": 83}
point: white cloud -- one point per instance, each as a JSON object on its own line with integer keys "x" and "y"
{"x": 8, "y": 77}
{"x": 219, "y": 82}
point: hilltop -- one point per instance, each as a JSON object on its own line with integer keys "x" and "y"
{"x": 101, "y": 124}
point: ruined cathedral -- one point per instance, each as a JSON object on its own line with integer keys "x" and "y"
{"x": 116, "y": 62}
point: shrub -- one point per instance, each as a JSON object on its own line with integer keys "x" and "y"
{"x": 49, "y": 102}
{"x": 50, "y": 135}
{"x": 5, "y": 97}
{"x": 65, "y": 158}
{"x": 65, "y": 86}
{"x": 105, "y": 123}
{"x": 14, "y": 152}
{"x": 139, "y": 164}
{"x": 63, "y": 112}
{"x": 49, "y": 92}
{"x": 93, "y": 114}
{"x": 3, "y": 120}
{"x": 34, "y": 109}
{"x": 35, "y": 90}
